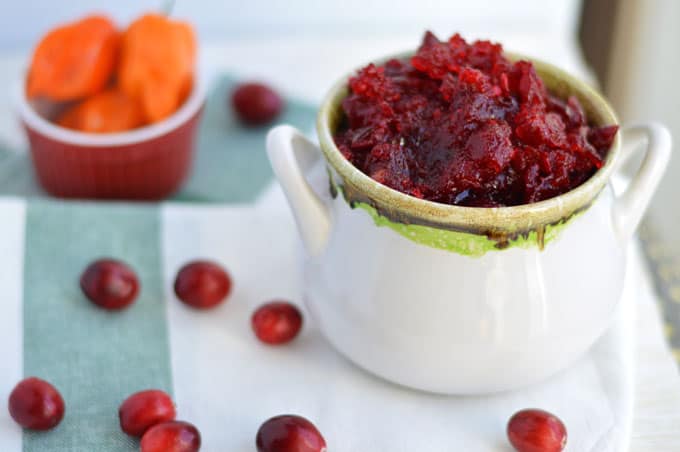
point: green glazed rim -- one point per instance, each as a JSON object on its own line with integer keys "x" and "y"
{"x": 469, "y": 230}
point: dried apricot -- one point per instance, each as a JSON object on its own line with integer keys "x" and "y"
{"x": 157, "y": 64}
{"x": 109, "y": 111}
{"x": 75, "y": 60}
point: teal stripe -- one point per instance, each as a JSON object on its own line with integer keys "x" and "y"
{"x": 231, "y": 164}
{"x": 95, "y": 358}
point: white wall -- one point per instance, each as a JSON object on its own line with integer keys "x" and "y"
{"x": 23, "y": 21}
{"x": 644, "y": 86}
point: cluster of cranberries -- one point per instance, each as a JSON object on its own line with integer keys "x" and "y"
{"x": 459, "y": 123}
{"x": 150, "y": 415}
{"x": 113, "y": 285}
{"x": 35, "y": 404}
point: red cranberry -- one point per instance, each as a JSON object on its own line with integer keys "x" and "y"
{"x": 110, "y": 284}
{"x": 289, "y": 433}
{"x": 536, "y": 431}
{"x": 173, "y": 436}
{"x": 256, "y": 104}
{"x": 202, "y": 284}
{"x": 145, "y": 409}
{"x": 277, "y": 322}
{"x": 36, "y": 404}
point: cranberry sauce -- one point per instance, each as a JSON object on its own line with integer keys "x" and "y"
{"x": 460, "y": 124}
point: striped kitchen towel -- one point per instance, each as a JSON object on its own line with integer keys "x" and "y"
{"x": 222, "y": 379}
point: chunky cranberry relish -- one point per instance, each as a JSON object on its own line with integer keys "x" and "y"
{"x": 459, "y": 123}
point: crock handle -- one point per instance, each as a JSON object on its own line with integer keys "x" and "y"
{"x": 291, "y": 154}
{"x": 630, "y": 205}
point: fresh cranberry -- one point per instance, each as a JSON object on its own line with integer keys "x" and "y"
{"x": 202, "y": 284}
{"x": 536, "y": 431}
{"x": 277, "y": 322}
{"x": 289, "y": 433}
{"x": 145, "y": 409}
{"x": 172, "y": 436}
{"x": 256, "y": 104}
{"x": 110, "y": 284}
{"x": 36, "y": 404}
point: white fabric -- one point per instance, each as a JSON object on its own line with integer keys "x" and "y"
{"x": 228, "y": 383}
{"x": 13, "y": 215}
{"x": 657, "y": 383}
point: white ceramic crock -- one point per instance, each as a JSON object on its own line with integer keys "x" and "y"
{"x": 463, "y": 300}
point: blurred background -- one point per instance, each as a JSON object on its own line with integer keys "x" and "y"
{"x": 631, "y": 46}
{"x": 627, "y": 47}
{"x": 217, "y": 20}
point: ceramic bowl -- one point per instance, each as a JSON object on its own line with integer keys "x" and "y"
{"x": 148, "y": 163}
{"x": 464, "y": 300}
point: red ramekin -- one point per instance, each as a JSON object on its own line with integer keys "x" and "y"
{"x": 149, "y": 163}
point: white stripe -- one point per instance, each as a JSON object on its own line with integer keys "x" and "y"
{"x": 12, "y": 222}
{"x": 228, "y": 384}
{"x": 212, "y": 351}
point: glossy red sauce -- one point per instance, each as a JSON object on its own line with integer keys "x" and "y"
{"x": 460, "y": 124}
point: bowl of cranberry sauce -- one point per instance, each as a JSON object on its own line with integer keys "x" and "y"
{"x": 461, "y": 124}
{"x": 466, "y": 238}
